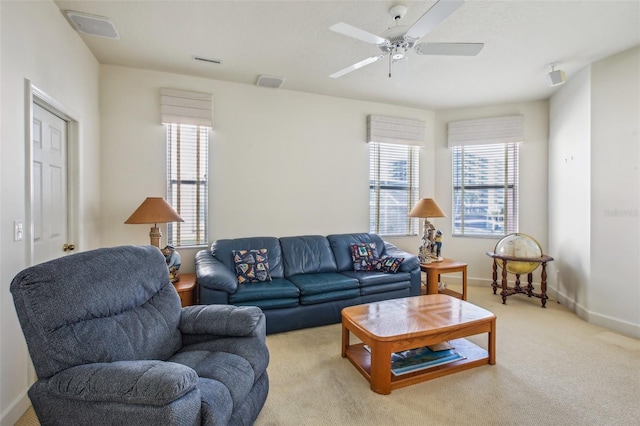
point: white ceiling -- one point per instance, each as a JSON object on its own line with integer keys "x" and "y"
{"x": 292, "y": 39}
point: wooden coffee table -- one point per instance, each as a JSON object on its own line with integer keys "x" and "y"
{"x": 412, "y": 322}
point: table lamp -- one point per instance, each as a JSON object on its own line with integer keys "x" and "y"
{"x": 426, "y": 208}
{"x": 154, "y": 210}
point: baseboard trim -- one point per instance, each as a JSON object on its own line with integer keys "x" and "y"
{"x": 15, "y": 410}
{"x": 614, "y": 324}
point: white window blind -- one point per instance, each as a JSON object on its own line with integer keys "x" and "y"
{"x": 485, "y": 175}
{"x": 393, "y": 188}
{"x": 394, "y": 130}
{"x": 184, "y": 107}
{"x": 187, "y": 182}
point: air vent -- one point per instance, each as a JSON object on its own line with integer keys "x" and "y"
{"x": 270, "y": 81}
{"x": 210, "y": 60}
{"x": 93, "y": 25}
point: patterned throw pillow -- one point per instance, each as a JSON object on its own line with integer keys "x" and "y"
{"x": 388, "y": 264}
{"x": 364, "y": 256}
{"x": 252, "y": 266}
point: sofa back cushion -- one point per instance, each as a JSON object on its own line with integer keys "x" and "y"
{"x": 223, "y": 251}
{"x": 105, "y": 305}
{"x": 341, "y": 247}
{"x": 307, "y": 255}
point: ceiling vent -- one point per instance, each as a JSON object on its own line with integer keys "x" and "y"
{"x": 270, "y": 81}
{"x": 93, "y": 25}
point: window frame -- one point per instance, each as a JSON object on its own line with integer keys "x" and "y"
{"x": 178, "y": 179}
{"x": 502, "y": 222}
{"x": 377, "y": 186}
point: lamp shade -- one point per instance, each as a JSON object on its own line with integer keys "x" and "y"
{"x": 154, "y": 210}
{"x": 427, "y": 207}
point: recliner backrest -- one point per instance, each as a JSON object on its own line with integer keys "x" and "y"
{"x": 103, "y": 305}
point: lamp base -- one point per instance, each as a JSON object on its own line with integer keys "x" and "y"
{"x": 155, "y": 236}
{"x": 429, "y": 251}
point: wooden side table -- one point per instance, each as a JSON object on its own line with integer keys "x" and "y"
{"x": 186, "y": 288}
{"x": 433, "y": 271}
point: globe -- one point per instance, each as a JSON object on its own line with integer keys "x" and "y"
{"x": 518, "y": 245}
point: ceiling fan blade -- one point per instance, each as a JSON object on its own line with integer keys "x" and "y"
{"x": 357, "y": 33}
{"x": 452, "y": 49}
{"x": 356, "y": 66}
{"x": 434, "y": 16}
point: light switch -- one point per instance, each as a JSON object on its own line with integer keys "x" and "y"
{"x": 18, "y": 230}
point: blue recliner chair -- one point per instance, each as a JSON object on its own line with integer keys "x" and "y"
{"x": 111, "y": 344}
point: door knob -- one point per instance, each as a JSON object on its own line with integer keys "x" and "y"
{"x": 68, "y": 247}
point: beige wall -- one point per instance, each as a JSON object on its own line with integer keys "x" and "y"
{"x": 38, "y": 44}
{"x": 281, "y": 162}
{"x": 595, "y": 194}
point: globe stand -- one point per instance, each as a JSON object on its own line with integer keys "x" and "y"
{"x": 517, "y": 289}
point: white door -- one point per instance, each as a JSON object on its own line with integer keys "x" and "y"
{"x": 49, "y": 177}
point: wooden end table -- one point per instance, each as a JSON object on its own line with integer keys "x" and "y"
{"x": 433, "y": 271}
{"x": 186, "y": 288}
{"x": 399, "y": 324}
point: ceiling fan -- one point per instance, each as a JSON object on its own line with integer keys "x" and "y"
{"x": 399, "y": 40}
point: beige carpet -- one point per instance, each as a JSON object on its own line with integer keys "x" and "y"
{"x": 552, "y": 369}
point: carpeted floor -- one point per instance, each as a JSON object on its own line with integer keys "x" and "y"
{"x": 552, "y": 369}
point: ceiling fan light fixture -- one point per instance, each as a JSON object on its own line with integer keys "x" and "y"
{"x": 398, "y": 53}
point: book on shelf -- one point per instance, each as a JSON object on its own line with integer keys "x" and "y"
{"x": 422, "y": 358}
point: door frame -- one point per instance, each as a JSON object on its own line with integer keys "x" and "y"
{"x": 33, "y": 94}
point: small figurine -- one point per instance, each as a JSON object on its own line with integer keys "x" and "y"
{"x": 437, "y": 244}
{"x": 173, "y": 262}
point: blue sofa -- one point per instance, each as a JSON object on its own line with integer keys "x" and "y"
{"x": 312, "y": 278}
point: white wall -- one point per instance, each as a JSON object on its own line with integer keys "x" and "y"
{"x": 533, "y": 184}
{"x": 281, "y": 162}
{"x": 38, "y": 44}
{"x": 570, "y": 190}
{"x": 614, "y": 294}
{"x": 595, "y": 195}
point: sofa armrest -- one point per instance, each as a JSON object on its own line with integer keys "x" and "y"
{"x": 411, "y": 261}
{"x": 213, "y": 274}
{"x": 221, "y": 321}
{"x": 150, "y": 382}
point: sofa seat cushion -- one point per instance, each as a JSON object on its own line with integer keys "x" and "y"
{"x": 277, "y": 288}
{"x": 312, "y": 299}
{"x": 368, "y": 279}
{"x": 310, "y": 284}
{"x": 266, "y": 304}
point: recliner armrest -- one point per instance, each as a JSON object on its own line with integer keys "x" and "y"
{"x": 149, "y": 382}
{"x": 222, "y": 321}
{"x": 213, "y": 274}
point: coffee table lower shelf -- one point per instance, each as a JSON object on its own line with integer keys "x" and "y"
{"x": 475, "y": 356}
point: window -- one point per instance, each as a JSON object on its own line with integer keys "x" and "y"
{"x": 485, "y": 189}
{"x": 393, "y": 188}
{"x": 187, "y": 182}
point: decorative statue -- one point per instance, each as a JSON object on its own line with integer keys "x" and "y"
{"x": 427, "y": 242}
{"x": 173, "y": 262}
{"x": 436, "y": 246}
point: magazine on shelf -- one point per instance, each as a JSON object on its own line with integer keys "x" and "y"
{"x": 421, "y": 358}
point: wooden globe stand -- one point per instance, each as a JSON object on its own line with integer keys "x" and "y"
{"x": 516, "y": 289}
